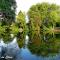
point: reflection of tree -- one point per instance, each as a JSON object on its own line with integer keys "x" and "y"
{"x": 9, "y": 52}
{"x": 39, "y": 46}
{"x": 5, "y": 35}
{"x": 21, "y": 39}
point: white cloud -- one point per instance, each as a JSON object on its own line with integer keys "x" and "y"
{"x": 24, "y": 5}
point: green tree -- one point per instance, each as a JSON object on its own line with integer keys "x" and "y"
{"x": 43, "y": 15}
{"x": 43, "y": 45}
{"x": 21, "y": 21}
{"x": 14, "y": 29}
{"x": 7, "y": 11}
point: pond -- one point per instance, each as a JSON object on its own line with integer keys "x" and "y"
{"x": 31, "y": 47}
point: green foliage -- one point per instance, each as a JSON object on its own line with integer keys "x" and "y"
{"x": 7, "y": 8}
{"x": 5, "y": 32}
{"x": 47, "y": 46}
{"x": 21, "y": 21}
{"x": 14, "y": 28}
{"x": 2, "y": 28}
{"x": 21, "y": 39}
{"x": 20, "y": 43}
{"x": 43, "y": 14}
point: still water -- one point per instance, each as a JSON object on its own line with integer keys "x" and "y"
{"x": 31, "y": 47}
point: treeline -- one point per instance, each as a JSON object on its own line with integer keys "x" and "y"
{"x": 42, "y": 18}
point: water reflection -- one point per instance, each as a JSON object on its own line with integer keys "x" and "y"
{"x": 6, "y": 37}
{"x": 37, "y": 46}
{"x": 44, "y": 45}
{"x": 21, "y": 39}
{"x": 9, "y": 51}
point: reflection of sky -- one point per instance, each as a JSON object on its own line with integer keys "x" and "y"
{"x": 25, "y": 54}
{"x": 10, "y": 49}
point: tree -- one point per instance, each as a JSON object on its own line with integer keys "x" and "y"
{"x": 7, "y": 10}
{"x": 43, "y": 15}
{"x": 21, "y": 21}
{"x": 38, "y": 45}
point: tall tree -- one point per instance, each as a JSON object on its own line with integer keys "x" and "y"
{"x": 21, "y": 21}
{"x": 7, "y": 10}
{"x": 43, "y": 15}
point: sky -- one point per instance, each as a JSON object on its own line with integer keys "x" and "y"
{"x": 24, "y": 5}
